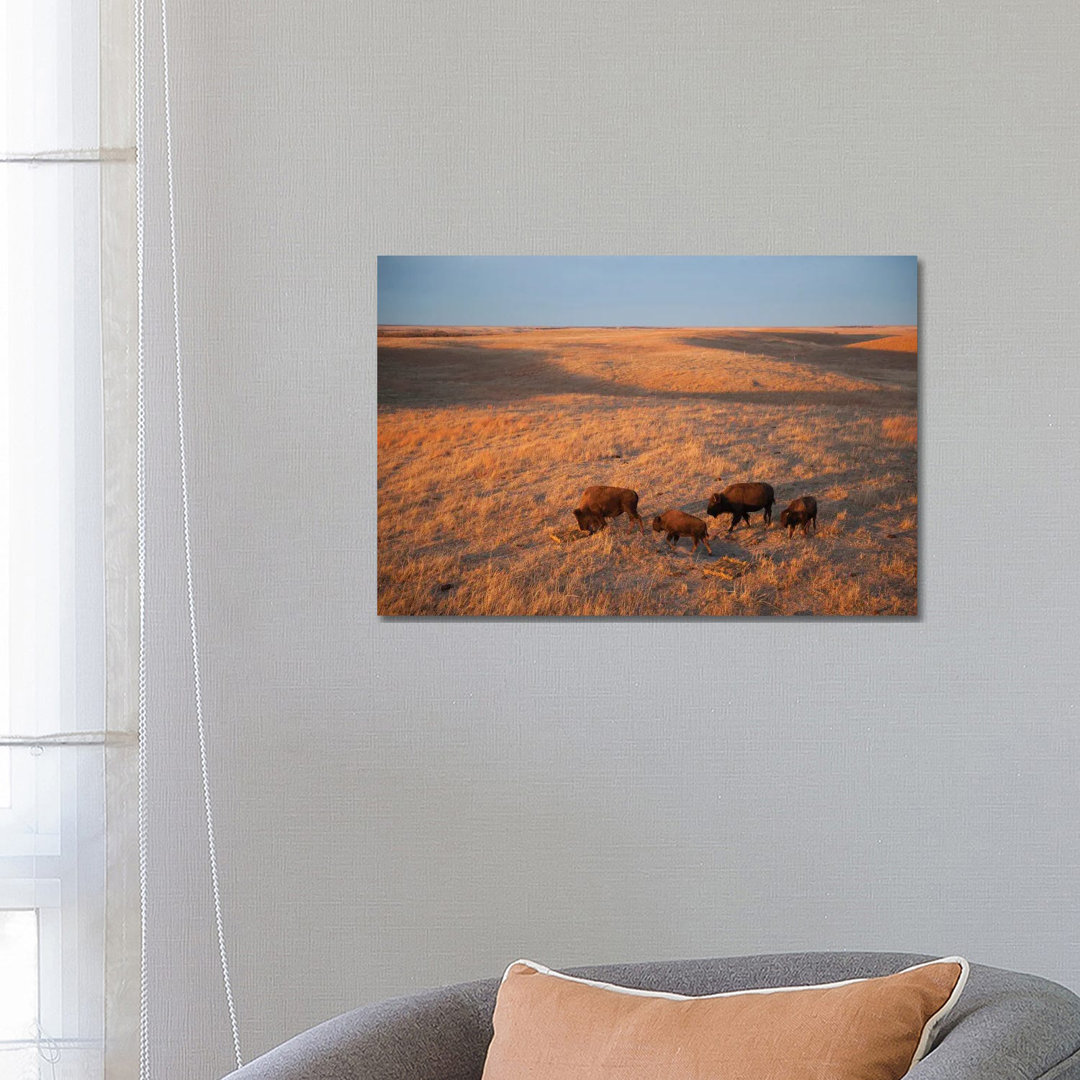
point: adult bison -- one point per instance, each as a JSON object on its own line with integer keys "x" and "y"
{"x": 599, "y": 503}
{"x": 740, "y": 501}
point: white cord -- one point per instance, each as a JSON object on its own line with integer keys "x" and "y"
{"x": 207, "y": 804}
{"x": 140, "y": 453}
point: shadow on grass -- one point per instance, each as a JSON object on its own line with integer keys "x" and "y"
{"x": 432, "y": 376}
{"x": 832, "y": 352}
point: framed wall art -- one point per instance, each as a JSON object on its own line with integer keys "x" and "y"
{"x": 648, "y": 436}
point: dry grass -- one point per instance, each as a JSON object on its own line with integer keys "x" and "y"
{"x": 487, "y": 438}
{"x": 893, "y": 343}
{"x": 900, "y": 429}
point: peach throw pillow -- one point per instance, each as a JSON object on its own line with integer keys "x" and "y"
{"x": 550, "y": 1026}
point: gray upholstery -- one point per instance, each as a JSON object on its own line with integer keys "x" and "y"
{"x": 1006, "y": 1026}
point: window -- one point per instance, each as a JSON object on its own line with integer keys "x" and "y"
{"x": 52, "y": 851}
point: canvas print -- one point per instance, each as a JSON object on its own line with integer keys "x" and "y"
{"x": 647, "y": 436}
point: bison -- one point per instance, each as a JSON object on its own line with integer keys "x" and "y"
{"x": 740, "y": 500}
{"x": 676, "y": 524}
{"x": 599, "y": 503}
{"x": 801, "y": 511}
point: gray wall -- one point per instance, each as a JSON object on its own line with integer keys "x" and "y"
{"x": 402, "y": 804}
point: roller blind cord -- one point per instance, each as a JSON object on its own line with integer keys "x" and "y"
{"x": 140, "y": 454}
{"x": 140, "y": 199}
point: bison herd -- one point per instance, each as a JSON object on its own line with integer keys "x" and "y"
{"x": 599, "y": 503}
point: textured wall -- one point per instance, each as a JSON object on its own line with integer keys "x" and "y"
{"x": 409, "y": 803}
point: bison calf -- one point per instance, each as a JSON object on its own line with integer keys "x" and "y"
{"x": 801, "y": 511}
{"x": 599, "y": 503}
{"x": 740, "y": 500}
{"x": 676, "y": 524}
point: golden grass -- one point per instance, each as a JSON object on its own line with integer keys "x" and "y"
{"x": 900, "y": 429}
{"x": 908, "y": 342}
{"x": 487, "y": 439}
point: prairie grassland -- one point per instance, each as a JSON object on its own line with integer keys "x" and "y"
{"x": 487, "y": 438}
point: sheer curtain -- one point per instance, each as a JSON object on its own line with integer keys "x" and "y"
{"x": 61, "y": 197}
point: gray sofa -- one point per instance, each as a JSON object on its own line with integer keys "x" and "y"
{"x": 1005, "y": 1026}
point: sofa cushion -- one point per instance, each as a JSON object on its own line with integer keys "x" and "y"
{"x": 552, "y": 1026}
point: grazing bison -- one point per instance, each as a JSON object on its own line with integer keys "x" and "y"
{"x": 677, "y": 524}
{"x": 600, "y": 503}
{"x": 740, "y": 500}
{"x": 800, "y": 511}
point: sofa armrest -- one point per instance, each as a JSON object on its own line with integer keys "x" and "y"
{"x": 437, "y": 1035}
{"x": 1007, "y": 1026}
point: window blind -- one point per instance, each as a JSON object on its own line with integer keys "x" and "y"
{"x": 58, "y": 206}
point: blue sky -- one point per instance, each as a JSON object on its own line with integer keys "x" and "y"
{"x": 647, "y": 290}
